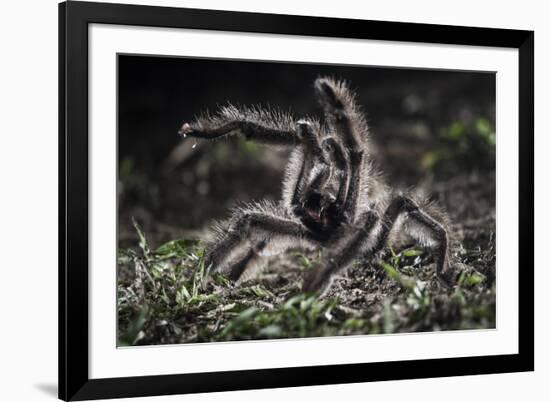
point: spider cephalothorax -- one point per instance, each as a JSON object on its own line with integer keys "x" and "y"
{"x": 332, "y": 196}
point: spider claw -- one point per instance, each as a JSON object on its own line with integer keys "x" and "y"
{"x": 185, "y": 129}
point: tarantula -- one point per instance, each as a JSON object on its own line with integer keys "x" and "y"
{"x": 332, "y": 196}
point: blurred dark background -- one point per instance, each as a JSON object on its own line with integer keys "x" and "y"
{"x": 429, "y": 127}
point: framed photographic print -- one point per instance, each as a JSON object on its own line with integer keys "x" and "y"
{"x": 257, "y": 200}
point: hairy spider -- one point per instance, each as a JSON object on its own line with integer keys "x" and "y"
{"x": 332, "y": 197}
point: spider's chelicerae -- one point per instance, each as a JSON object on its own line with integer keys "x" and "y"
{"x": 332, "y": 196}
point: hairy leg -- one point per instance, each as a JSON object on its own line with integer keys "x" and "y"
{"x": 262, "y": 125}
{"x": 436, "y": 233}
{"x": 350, "y": 249}
{"x": 311, "y": 152}
{"x": 427, "y": 229}
{"x": 257, "y": 227}
{"x": 344, "y": 116}
{"x": 338, "y": 157}
{"x": 249, "y": 260}
{"x": 368, "y": 241}
{"x": 342, "y": 113}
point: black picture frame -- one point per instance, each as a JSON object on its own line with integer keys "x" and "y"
{"x": 74, "y": 381}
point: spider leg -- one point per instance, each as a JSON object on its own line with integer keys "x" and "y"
{"x": 317, "y": 157}
{"x": 344, "y": 116}
{"x": 251, "y": 258}
{"x": 354, "y": 185}
{"x": 261, "y": 125}
{"x": 252, "y": 131}
{"x": 309, "y": 135}
{"x": 369, "y": 240}
{"x": 310, "y": 150}
{"x": 424, "y": 228}
{"x": 338, "y": 157}
{"x": 351, "y": 248}
{"x": 257, "y": 227}
{"x": 298, "y": 168}
{"x": 435, "y": 233}
{"x": 342, "y": 113}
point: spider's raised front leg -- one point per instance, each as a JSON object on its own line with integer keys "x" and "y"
{"x": 231, "y": 251}
{"x": 261, "y": 125}
{"x": 342, "y": 113}
{"x": 348, "y": 123}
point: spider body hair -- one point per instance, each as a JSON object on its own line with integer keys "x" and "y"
{"x": 333, "y": 197}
